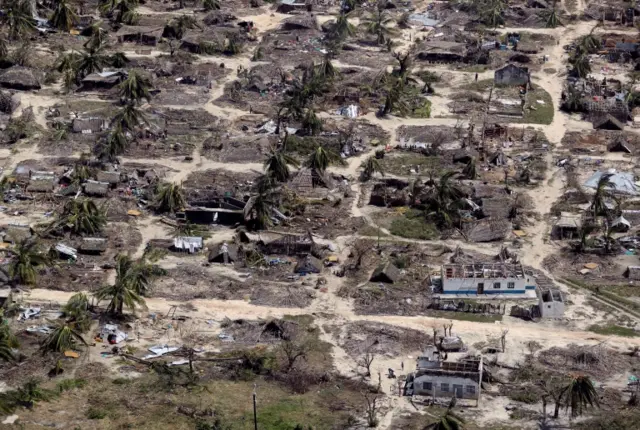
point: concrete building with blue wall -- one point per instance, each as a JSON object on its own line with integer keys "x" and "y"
{"x": 486, "y": 279}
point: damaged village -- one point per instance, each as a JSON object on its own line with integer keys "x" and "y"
{"x": 319, "y": 214}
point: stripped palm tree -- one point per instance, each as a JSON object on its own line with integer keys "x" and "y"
{"x": 211, "y": 4}
{"x": 552, "y": 20}
{"x": 311, "y": 123}
{"x": 370, "y": 167}
{"x": 343, "y": 27}
{"x": 113, "y": 145}
{"x": 136, "y": 87}
{"x": 64, "y": 17}
{"x": 470, "y": 169}
{"x": 169, "y": 197}
{"x": 378, "y": 23}
{"x": 580, "y": 63}
{"x": 599, "y": 201}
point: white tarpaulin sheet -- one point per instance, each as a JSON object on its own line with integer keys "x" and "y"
{"x": 619, "y": 182}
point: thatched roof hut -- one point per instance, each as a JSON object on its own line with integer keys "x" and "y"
{"x": 96, "y": 188}
{"x": 20, "y": 78}
{"x": 487, "y": 230}
{"x": 497, "y": 207}
{"x": 139, "y": 34}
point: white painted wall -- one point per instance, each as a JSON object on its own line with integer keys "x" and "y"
{"x": 451, "y": 380}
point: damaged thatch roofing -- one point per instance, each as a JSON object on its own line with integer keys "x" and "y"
{"x": 8, "y": 102}
{"x": 487, "y": 230}
{"x": 497, "y": 207}
{"x": 481, "y": 191}
{"x": 303, "y": 22}
{"x": 20, "y": 78}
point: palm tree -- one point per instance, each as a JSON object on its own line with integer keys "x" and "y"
{"x": 211, "y": 4}
{"x": 378, "y": 24}
{"x": 118, "y": 60}
{"x": 572, "y": 99}
{"x": 580, "y": 62}
{"x": 395, "y": 101}
{"x": 311, "y": 123}
{"x": 584, "y": 242}
{"x": 120, "y": 295}
{"x": 598, "y": 203}
{"x": 128, "y": 118}
{"x": 64, "y": 17}
{"x": 76, "y": 310}
{"x": 261, "y": 209}
{"x": 579, "y": 394}
{"x": 27, "y": 258}
{"x": 97, "y": 37}
{"x": 444, "y": 200}
{"x": 8, "y": 340}
{"x": 64, "y": 336}
{"x": 81, "y": 216}
{"x": 589, "y": 43}
{"x": 169, "y": 197}
{"x": 135, "y": 87}
{"x": 183, "y": 23}
{"x": 326, "y": 69}
{"x": 277, "y": 165}
{"x": 18, "y": 17}
{"x": 492, "y": 13}
{"x": 136, "y": 274}
{"x": 343, "y": 27}
{"x": 122, "y": 11}
{"x": 321, "y": 158}
{"x": 370, "y": 167}
{"x": 90, "y": 61}
{"x": 552, "y": 17}
{"x": 115, "y": 144}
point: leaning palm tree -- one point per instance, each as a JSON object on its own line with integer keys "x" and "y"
{"x": 136, "y": 87}
{"x": 277, "y": 165}
{"x": 579, "y": 394}
{"x": 169, "y": 197}
{"x": 598, "y": 202}
{"x": 65, "y": 336}
{"x": 311, "y": 123}
{"x": 27, "y": 258}
{"x": 321, "y": 158}
{"x": 64, "y": 17}
{"x": 493, "y": 13}
{"x": 370, "y": 167}
{"x": 77, "y": 309}
{"x": 120, "y": 295}
{"x": 81, "y": 216}
{"x": 447, "y": 421}
{"x": 18, "y": 17}
{"x": 97, "y": 37}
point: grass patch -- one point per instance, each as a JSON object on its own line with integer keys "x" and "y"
{"x": 401, "y": 164}
{"x": 369, "y": 230}
{"x": 413, "y": 226}
{"x": 543, "y": 113}
{"x": 613, "y": 330}
{"x": 610, "y": 297}
{"x": 465, "y": 316}
{"x": 70, "y": 384}
{"x": 96, "y": 413}
{"x": 479, "y": 86}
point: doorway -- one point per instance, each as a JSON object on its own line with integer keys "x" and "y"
{"x": 481, "y": 288}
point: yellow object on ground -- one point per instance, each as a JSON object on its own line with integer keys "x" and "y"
{"x": 134, "y": 212}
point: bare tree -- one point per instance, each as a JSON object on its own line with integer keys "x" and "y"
{"x": 503, "y": 339}
{"x": 448, "y": 327}
{"x": 371, "y": 400}
{"x": 366, "y": 359}
{"x": 292, "y": 351}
